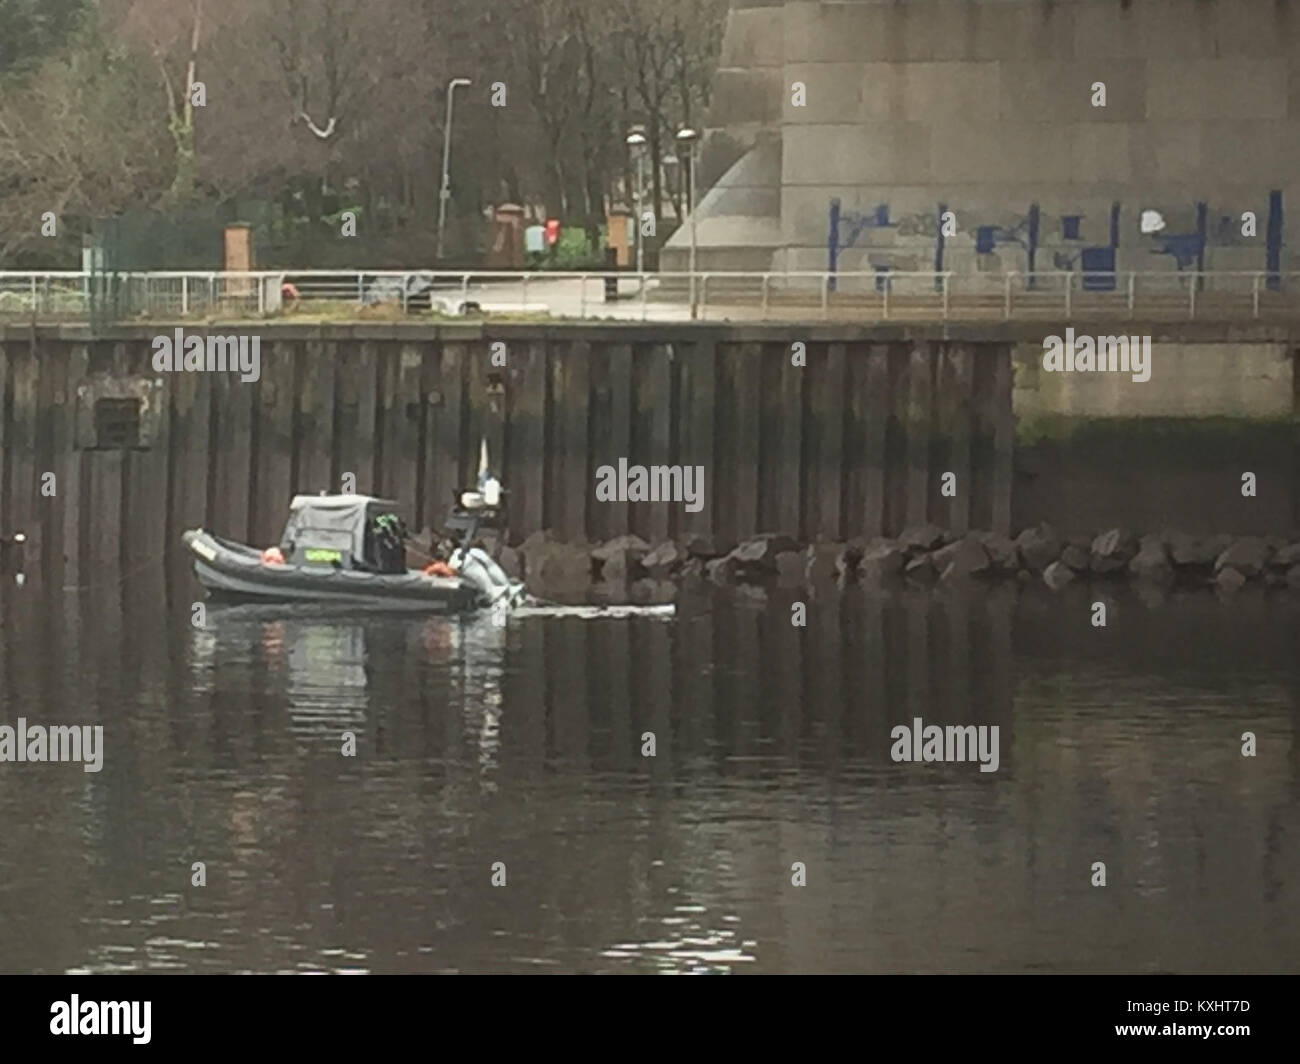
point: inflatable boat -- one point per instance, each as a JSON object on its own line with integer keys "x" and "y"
{"x": 345, "y": 549}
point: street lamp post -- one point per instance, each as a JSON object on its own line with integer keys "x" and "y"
{"x": 636, "y": 141}
{"x": 444, "y": 191}
{"x": 686, "y": 138}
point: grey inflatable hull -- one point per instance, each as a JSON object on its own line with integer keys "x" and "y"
{"x": 235, "y": 571}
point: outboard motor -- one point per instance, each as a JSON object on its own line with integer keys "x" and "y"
{"x": 477, "y": 567}
{"x": 477, "y": 507}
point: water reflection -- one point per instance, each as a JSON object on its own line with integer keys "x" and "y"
{"x": 477, "y": 744}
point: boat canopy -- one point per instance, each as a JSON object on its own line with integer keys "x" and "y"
{"x": 338, "y": 502}
{"x": 330, "y": 528}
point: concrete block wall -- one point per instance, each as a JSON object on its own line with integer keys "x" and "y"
{"x": 985, "y": 107}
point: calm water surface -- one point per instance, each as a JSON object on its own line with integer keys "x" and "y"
{"x": 522, "y": 745}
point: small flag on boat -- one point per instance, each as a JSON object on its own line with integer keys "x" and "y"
{"x": 482, "y": 463}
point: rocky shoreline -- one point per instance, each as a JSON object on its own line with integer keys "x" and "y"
{"x": 925, "y": 555}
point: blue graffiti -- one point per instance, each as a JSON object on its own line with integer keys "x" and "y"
{"x": 1098, "y": 266}
{"x": 1023, "y": 234}
{"x": 1186, "y": 249}
{"x": 1274, "y": 252}
{"x": 988, "y": 237}
{"x": 853, "y": 223}
{"x": 846, "y": 226}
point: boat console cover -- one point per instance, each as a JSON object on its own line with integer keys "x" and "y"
{"x": 330, "y": 529}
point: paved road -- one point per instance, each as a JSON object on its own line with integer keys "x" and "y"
{"x": 666, "y": 300}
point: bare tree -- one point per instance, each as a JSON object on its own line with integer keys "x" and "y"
{"x": 79, "y": 139}
{"x": 173, "y": 34}
{"x": 310, "y": 101}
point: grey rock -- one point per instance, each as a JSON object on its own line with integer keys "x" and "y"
{"x": 559, "y": 566}
{"x": 530, "y": 550}
{"x": 692, "y": 569}
{"x": 1229, "y": 580}
{"x": 1248, "y": 555}
{"x": 1039, "y": 546}
{"x": 789, "y": 568}
{"x": 617, "y": 570}
{"x": 759, "y": 553}
{"x": 965, "y": 558}
{"x": 1112, "y": 550}
{"x": 880, "y": 560}
{"x": 920, "y": 568}
{"x": 1287, "y": 556}
{"x": 536, "y": 538}
{"x": 1151, "y": 563}
{"x": 821, "y": 562}
{"x": 702, "y": 545}
{"x": 921, "y": 538}
{"x": 1293, "y": 578}
{"x": 1189, "y": 551}
{"x": 721, "y": 570}
{"x": 1057, "y": 575}
{"x": 1075, "y": 557}
{"x": 619, "y": 545}
{"x": 662, "y": 559}
{"x": 1002, "y": 551}
{"x": 617, "y": 560}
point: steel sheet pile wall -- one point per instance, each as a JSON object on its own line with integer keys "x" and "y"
{"x": 850, "y": 444}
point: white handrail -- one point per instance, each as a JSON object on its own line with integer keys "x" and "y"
{"x": 896, "y": 294}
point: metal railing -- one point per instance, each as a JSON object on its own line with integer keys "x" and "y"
{"x": 717, "y": 295}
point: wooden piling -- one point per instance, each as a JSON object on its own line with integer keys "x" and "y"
{"x": 822, "y": 460}
{"x": 610, "y": 433}
{"x": 872, "y": 408}
{"x": 444, "y": 386}
{"x": 1004, "y": 439}
{"x": 272, "y": 472}
{"x": 525, "y": 404}
{"x": 696, "y": 366}
{"x": 953, "y": 432}
{"x": 232, "y": 456}
{"x": 314, "y": 432}
{"x": 569, "y": 480}
{"x": 651, "y": 433}
{"x": 919, "y": 429}
{"x": 780, "y": 440}
{"x": 401, "y": 402}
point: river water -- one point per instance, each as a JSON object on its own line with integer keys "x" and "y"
{"x": 523, "y": 745}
